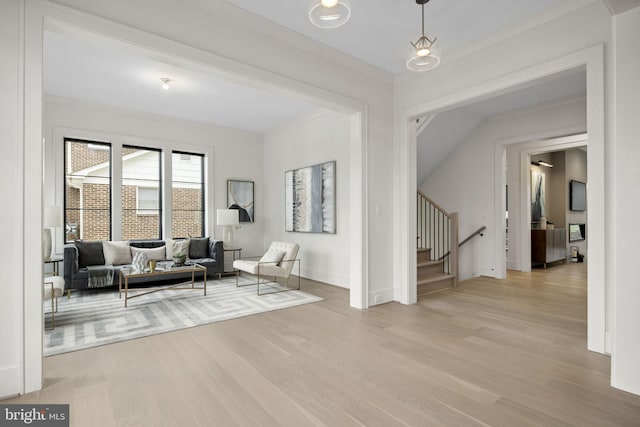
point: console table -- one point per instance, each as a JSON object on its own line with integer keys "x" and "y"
{"x": 548, "y": 246}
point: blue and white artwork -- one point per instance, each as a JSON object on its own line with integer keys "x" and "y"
{"x": 310, "y": 199}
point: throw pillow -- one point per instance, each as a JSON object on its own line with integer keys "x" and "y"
{"x": 139, "y": 262}
{"x": 158, "y": 253}
{"x": 272, "y": 256}
{"x": 116, "y": 253}
{"x": 199, "y": 248}
{"x": 177, "y": 246}
{"x": 89, "y": 253}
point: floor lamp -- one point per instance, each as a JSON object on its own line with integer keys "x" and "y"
{"x": 228, "y": 219}
{"x": 52, "y": 218}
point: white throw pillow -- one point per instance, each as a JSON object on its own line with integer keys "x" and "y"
{"x": 272, "y": 256}
{"x": 177, "y": 246}
{"x": 116, "y": 253}
{"x": 158, "y": 253}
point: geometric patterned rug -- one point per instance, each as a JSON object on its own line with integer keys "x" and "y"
{"x": 94, "y": 318}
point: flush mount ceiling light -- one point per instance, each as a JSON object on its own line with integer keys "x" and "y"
{"x": 329, "y": 13}
{"x": 425, "y": 58}
{"x": 165, "y": 83}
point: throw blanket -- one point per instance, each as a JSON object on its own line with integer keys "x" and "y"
{"x": 100, "y": 276}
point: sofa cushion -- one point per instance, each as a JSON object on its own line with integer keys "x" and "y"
{"x": 199, "y": 247}
{"x": 89, "y": 253}
{"x": 177, "y": 246}
{"x": 116, "y": 253}
{"x": 158, "y": 254}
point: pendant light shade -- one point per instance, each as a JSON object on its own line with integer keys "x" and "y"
{"x": 329, "y": 13}
{"x": 425, "y": 56}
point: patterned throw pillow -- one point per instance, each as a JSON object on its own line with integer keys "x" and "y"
{"x": 158, "y": 254}
{"x": 140, "y": 261}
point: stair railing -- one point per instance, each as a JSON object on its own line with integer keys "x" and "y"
{"x": 438, "y": 231}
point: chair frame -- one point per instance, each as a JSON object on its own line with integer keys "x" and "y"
{"x": 275, "y": 278}
{"x": 54, "y": 303}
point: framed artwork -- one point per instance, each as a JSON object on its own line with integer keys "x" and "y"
{"x": 310, "y": 199}
{"x": 537, "y": 195}
{"x": 240, "y": 196}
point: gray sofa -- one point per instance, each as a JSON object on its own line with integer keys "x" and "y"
{"x": 76, "y": 275}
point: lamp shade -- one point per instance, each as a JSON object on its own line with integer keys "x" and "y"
{"x": 228, "y": 217}
{"x": 52, "y": 217}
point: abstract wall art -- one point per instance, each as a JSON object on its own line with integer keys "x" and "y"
{"x": 537, "y": 195}
{"x": 310, "y": 199}
{"x": 240, "y": 196}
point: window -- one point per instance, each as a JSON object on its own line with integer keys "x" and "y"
{"x": 87, "y": 190}
{"x": 141, "y": 193}
{"x": 188, "y": 195}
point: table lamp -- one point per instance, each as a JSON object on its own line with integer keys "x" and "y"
{"x": 52, "y": 217}
{"x": 228, "y": 219}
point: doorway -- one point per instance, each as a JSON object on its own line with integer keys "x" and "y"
{"x": 590, "y": 59}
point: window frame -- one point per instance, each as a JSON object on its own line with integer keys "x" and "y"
{"x": 95, "y": 145}
{"x": 203, "y": 183}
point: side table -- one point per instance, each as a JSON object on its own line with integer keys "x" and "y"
{"x": 228, "y": 265}
{"x": 55, "y": 261}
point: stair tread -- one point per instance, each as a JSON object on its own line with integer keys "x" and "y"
{"x": 435, "y": 279}
{"x": 429, "y": 263}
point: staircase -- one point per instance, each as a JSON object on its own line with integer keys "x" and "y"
{"x": 437, "y": 256}
{"x": 431, "y": 274}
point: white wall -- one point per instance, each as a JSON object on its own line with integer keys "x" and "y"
{"x": 11, "y": 229}
{"x": 465, "y": 181}
{"x": 625, "y": 372}
{"x": 236, "y": 155}
{"x": 319, "y": 139}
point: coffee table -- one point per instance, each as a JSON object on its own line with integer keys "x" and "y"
{"x": 161, "y": 270}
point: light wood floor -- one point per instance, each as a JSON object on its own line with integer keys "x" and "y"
{"x": 497, "y": 353}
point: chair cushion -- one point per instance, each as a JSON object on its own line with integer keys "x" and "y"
{"x": 89, "y": 253}
{"x": 253, "y": 267}
{"x": 158, "y": 254}
{"x": 199, "y": 247}
{"x": 116, "y": 253}
{"x": 58, "y": 287}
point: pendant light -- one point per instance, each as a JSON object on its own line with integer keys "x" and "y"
{"x": 425, "y": 58}
{"x": 329, "y": 13}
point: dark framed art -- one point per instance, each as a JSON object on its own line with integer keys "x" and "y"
{"x": 240, "y": 196}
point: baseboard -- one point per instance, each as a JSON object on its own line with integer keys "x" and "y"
{"x": 487, "y": 271}
{"x": 381, "y": 296}
{"x": 323, "y": 276}
{"x": 9, "y": 382}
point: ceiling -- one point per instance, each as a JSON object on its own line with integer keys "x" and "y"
{"x": 449, "y": 129}
{"x": 96, "y": 69}
{"x": 379, "y": 31}
{"x": 106, "y": 72}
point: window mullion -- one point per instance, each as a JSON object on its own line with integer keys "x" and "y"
{"x": 116, "y": 191}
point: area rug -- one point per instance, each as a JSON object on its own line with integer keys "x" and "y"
{"x": 95, "y": 318}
